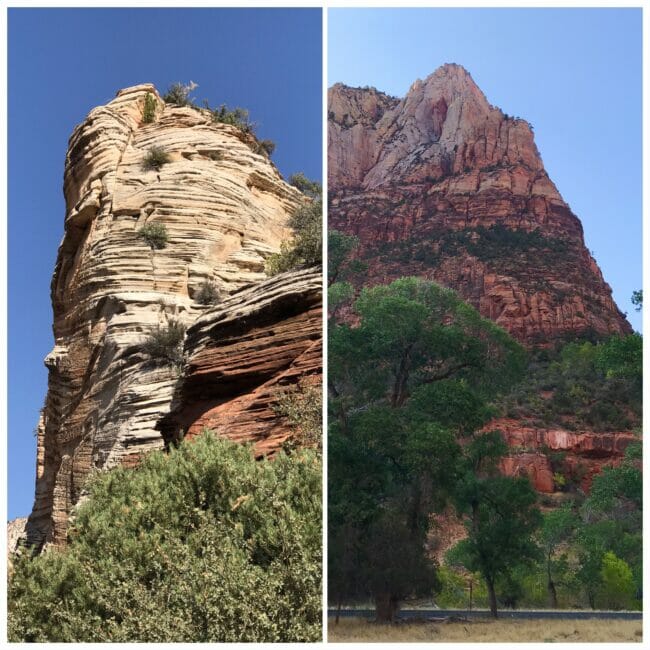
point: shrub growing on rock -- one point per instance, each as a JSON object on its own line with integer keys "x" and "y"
{"x": 208, "y": 294}
{"x": 165, "y": 343}
{"x": 203, "y": 544}
{"x": 155, "y": 234}
{"x": 156, "y": 157}
{"x": 149, "y": 112}
{"x": 264, "y": 147}
{"x": 178, "y": 94}
{"x": 306, "y": 247}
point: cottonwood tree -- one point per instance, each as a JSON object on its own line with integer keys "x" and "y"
{"x": 405, "y": 383}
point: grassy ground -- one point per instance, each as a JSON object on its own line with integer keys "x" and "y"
{"x": 505, "y": 631}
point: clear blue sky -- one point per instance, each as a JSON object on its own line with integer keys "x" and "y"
{"x": 64, "y": 62}
{"x": 575, "y": 74}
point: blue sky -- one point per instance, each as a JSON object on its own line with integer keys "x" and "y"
{"x": 575, "y": 74}
{"x": 64, "y": 62}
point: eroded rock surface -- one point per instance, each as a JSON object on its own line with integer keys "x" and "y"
{"x": 435, "y": 184}
{"x": 262, "y": 340}
{"x": 225, "y": 209}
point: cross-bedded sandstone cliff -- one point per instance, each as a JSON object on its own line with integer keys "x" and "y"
{"x": 225, "y": 208}
{"x": 441, "y": 184}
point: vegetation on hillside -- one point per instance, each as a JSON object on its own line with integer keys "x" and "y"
{"x": 203, "y": 544}
{"x": 305, "y": 248}
{"x": 412, "y": 385}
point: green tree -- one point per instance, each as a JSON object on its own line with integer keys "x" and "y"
{"x": 203, "y": 544}
{"x": 617, "y": 582}
{"x": 306, "y": 247}
{"x": 557, "y": 527}
{"x": 637, "y": 299}
{"x": 410, "y": 377}
{"x": 500, "y": 516}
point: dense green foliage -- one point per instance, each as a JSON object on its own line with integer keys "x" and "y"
{"x": 154, "y": 160}
{"x": 500, "y": 516}
{"x": 202, "y": 545}
{"x": 405, "y": 385}
{"x": 302, "y": 406}
{"x": 155, "y": 234}
{"x": 582, "y": 385}
{"x": 306, "y": 246}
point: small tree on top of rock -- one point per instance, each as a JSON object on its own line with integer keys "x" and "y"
{"x": 178, "y": 94}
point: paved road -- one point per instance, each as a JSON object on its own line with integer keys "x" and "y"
{"x": 503, "y": 613}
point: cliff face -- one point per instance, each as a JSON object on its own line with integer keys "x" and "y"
{"x": 445, "y": 186}
{"x": 442, "y": 185}
{"x": 225, "y": 209}
{"x": 242, "y": 353}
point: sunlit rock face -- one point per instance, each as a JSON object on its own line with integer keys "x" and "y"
{"x": 225, "y": 208}
{"x": 436, "y": 183}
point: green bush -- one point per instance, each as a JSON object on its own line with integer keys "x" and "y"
{"x": 149, "y": 112}
{"x": 165, "y": 343}
{"x": 302, "y": 406}
{"x": 235, "y": 117}
{"x": 306, "y": 247}
{"x": 178, "y": 94}
{"x": 208, "y": 294}
{"x": 617, "y": 582}
{"x": 155, "y": 234}
{"x": 203, "y": 544}
{"x": 156, "y": 157}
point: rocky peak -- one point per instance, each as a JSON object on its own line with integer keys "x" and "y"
{"x": 435, "y": 183}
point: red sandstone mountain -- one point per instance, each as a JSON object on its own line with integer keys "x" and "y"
{"x": 443, "y": 185}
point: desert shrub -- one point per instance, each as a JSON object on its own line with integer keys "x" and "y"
{"x": 149, "y": 112}
{"x": 155, "y": 234}
{"x": 302, "y": 406}
{"x": 235, "y": 117}
{"x": 156, "y": 157}
{"x": 215, "y": 155}
{"x": 208, "y": 294}
{"x": 264, "y": 147}
{"x": 203, "y": 544}
{"x": 178, "y": 94}
{"x": 165, "y": 343}
{"x": 306, "y": 247}
{"x": 310, "y": 188}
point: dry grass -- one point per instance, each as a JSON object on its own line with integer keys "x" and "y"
{"x": 504, "y": 631}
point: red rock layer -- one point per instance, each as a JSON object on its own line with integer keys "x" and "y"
{"x": 240, "y": 359}
{"x": 584, "y": 453}
{"x": 411, "y": 176}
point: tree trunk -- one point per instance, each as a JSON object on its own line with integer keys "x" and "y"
{"x": 338, "y": 612}
{"x": 552, "y": 593}
{"x": 492, "y": 598}
{"x": 385, "y": 608}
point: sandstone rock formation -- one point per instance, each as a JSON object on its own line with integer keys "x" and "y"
{"x": 583, "y": 453}
{"x": 242, "y": 353}
{"x": 443, "y": 185}
{"x": 225, "y": 208}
